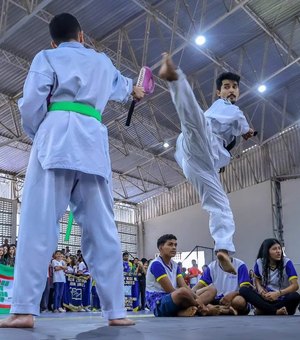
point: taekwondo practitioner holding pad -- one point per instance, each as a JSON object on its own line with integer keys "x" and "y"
{"x": 69, "y": 163}
{"x": 201, "y": 152}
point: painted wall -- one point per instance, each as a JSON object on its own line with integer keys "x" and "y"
{"x": 253, "y": 215}
{"x": 290, "y": 191}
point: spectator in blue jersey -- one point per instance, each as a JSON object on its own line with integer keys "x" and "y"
{"x": 227, "y": 300}
{"x": 166, "y": 291}
{"x": 276, "y": 282}
{"x": 127, "y": 266}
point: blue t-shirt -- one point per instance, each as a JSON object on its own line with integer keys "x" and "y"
{"x": 126, "y": 267}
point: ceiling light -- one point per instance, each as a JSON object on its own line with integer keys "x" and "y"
{"x": 166, "y": 145}
{"x": 200, "y": 40}
{"x": 261, "y": 88}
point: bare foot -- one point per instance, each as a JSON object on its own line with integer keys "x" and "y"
{"x": 224, "y": 310}
{"x": 190, "y": 311}
{"x": 167, "y": 70}
{"x": 121, "y": 322}
{"x": 210, "y": 310}
{"x": 282, "y": 311}
{"x": 225, "y": 262}
{"x": 18, "y": 321}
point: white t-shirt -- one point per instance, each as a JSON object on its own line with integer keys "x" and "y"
{"x": 83, "y": 268}
{"x": 58, "y": 275}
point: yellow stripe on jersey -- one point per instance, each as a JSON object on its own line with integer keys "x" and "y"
{"x": 293, "y": 277}
{"x": 203, "y": 282}
{"x": 179, "y": 276}
{"x": 246, "y": 283}
{"x": 161, "y": 277}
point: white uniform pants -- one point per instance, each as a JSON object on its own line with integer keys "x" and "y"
{"x": 194, "y": 154}
{"x": 46, "y": 196}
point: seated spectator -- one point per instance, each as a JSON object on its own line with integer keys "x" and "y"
{"x": 226, "y": 299}
{"x": 194, "y": 274}
{"x": 276, "y": 282}
{"x": 166, "y": 291}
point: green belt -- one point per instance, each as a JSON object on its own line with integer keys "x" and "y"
{"x": 84, "y": 109}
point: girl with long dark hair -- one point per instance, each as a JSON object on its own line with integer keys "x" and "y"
{"x": 276, "y": 282}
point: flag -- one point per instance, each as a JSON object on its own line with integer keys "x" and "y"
{"x": 6, "y": 285}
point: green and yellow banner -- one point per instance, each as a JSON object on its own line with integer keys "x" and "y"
{"x": 6, "y": 284}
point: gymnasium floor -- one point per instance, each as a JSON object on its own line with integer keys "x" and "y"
{"x": 85, "y": 326}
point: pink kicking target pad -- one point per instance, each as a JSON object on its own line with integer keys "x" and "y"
{"x": 146, "y": 80}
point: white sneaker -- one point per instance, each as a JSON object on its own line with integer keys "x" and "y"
{"x": 61, "y": 310}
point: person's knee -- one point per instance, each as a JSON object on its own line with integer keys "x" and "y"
{"x": 239, "y": 303}
{"x": 182, "y": 294}
{"x": 212, "y": 290}
{"x": 244, "y": 291}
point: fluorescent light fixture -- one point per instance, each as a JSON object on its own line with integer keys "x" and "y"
{"x": 200, "y": 40}
{"x": 261, "y": 88}
{"x": 166, "y": 145}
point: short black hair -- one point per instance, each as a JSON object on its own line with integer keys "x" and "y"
{"x": 228, "y": 76}
{"x": 125, "y": 253}
{"x": 64, "y": 27}
{"x": 163, "y": 239}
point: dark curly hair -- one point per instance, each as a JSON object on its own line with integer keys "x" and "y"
{"x": 264, "y": 255}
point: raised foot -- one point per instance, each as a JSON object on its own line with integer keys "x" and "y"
{"x": 121, "y": 322}
{"x": 190, "y": 311}
{"x": 167, "y": 70}
{"x": 225, "y": 262}
{"x": 18, "y": 321}
{"x": 282, "y": 311}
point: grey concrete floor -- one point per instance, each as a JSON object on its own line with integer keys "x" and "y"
{"x": 86, "y": 326}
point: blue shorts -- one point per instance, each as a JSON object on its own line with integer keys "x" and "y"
{"x": 166, "y": 307}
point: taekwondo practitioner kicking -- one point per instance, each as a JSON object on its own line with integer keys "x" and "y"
{"x": 201, "y": 148}
{"x": 66, "y": 90}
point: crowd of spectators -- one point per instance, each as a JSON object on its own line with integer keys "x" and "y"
{"x": 55, "y": 297}
{"x": 7, "y": 254}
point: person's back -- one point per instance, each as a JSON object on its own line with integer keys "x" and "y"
{"x": 78, "y": 75}
{"x": 81, "y": 75}
{"x": 64, "y": 95}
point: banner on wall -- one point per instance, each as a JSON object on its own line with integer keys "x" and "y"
{"x": 6, "y": 285}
